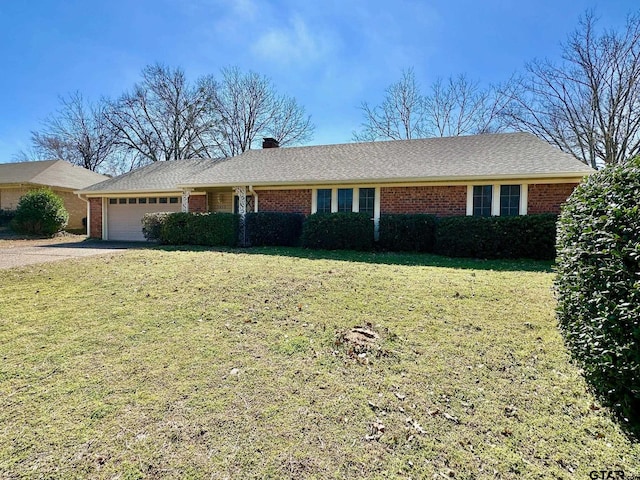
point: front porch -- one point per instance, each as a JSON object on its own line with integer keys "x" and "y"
{"x": 221, "y": 200}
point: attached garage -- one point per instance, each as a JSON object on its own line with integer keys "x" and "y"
{"x": 124, "y": 215}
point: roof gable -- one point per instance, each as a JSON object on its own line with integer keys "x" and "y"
{"x": 52, "y": 173}
{"x": 157, "y": 176}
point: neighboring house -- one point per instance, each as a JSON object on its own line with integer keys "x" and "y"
{"x": 63, "y": 178}
{"x": 493, "y": 174}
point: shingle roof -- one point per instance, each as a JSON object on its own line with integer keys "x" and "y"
{"x": 488, "y": 156}
{"x": 158, "y": 176}
{"x": 432, "y": 159}
{"x": 54, "y": 173}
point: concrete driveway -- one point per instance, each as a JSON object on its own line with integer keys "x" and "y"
{"x": 17, "y": 253}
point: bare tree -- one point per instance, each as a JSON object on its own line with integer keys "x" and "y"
{"x": 77, "y": 133}
{"x": 455, "y": 107}
{"x": 165, "y": 117}
{"x": 460, "y": 107}
{"x": 401, "y": 115}
{"x": 246, "y": 106}
{"x": 589, "y": 104}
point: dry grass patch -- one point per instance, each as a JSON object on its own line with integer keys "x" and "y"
{"x": 207, "y": 364}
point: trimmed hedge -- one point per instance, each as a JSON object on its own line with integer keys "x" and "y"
{"x": 598, "y": 285}
{"x": 6, "y": 216}
{"x": 180, "y": 228}
{"x": 525, "y": 236}
{"x": 39, "y": 212}
{"x": 274, "y": 229}
{"x": 414, "y": 233}
{"x": 338, "y": 231}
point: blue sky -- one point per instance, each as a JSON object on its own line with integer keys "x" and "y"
{"x": 330, "y": 55}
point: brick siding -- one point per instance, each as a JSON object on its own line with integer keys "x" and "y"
{"x": 95, "y": 207}
{"x": 288, "y": 201}
{"x": 548, "y": 198}
{"x": 436, "y": 200}
{"x": 198, "y": 203}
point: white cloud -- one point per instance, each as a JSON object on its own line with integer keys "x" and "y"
{"x": 294, "y": 43}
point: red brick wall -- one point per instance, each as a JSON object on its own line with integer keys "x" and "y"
{"x": 289, "y": 201}
{"x": 436, "y": 200}
{"x": 198, "y": 203}
{"x": 547, "y": 198}
{"x": 95, "y": 209}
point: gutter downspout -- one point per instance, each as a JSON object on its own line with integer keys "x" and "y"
{"x": 88, "y": 213}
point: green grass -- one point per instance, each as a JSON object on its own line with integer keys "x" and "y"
{"x": 164, "y": 363}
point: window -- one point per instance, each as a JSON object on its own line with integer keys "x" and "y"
{"x": 142, "y": 200}
{"x": 367, "y": 198}
{"x": 113, "y": 201}
{"x": 133, "y": 200}
{"x": 345, "y": 199}
{"x": 173, "y": 200}
{"x": 509, "y": 200}
{"x": 163, "y": 200}
{"x": 122, "y": 200}
{"x": 153, "y": 200}
{"x": 324, "y": 200}
{"x": 482, "y": 200}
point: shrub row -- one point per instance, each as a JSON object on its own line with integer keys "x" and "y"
{"x": 412, "y": 233}
{"x": 530, "y": 236}
{"x": 526, "y": 236}
{"x": 338, "y": 231}
{"x": 273, "y": 229}
{"x": 211, "y": 229}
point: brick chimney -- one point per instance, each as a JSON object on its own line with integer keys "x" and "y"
{"x": 270, "y": 143}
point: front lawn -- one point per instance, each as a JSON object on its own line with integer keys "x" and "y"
{"x": 209, "y": 364}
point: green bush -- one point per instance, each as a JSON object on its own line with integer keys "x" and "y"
{"x": 6, "y": 216}
{"x": 40, "y": 212}
{"x": 338, "y": 231}
{"x": 598, "y": 285}
{"x": 211, "y": 229}
{"x": 273, "y": 228}
{"x": 152, "y": 225}
{"x": 414, "y": 233}
{"x": 527, "y": 236}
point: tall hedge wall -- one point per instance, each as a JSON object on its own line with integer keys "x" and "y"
{"x": 273, "y": 229}
{"x": 179, "y": 228}
{"x": 338, "y": 231}
{"x": 414, "y": 233}
{"x": 526, "y": 236}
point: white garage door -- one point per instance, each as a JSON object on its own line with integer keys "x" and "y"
{"x": 124, "y": 215}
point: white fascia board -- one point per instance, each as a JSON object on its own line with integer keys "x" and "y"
{"x": 308, "y": 183}
{"x": 130, "y": 193}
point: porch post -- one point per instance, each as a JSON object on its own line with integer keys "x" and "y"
{"x": 185, "y": 200}
{"x": 241, "y": 192}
